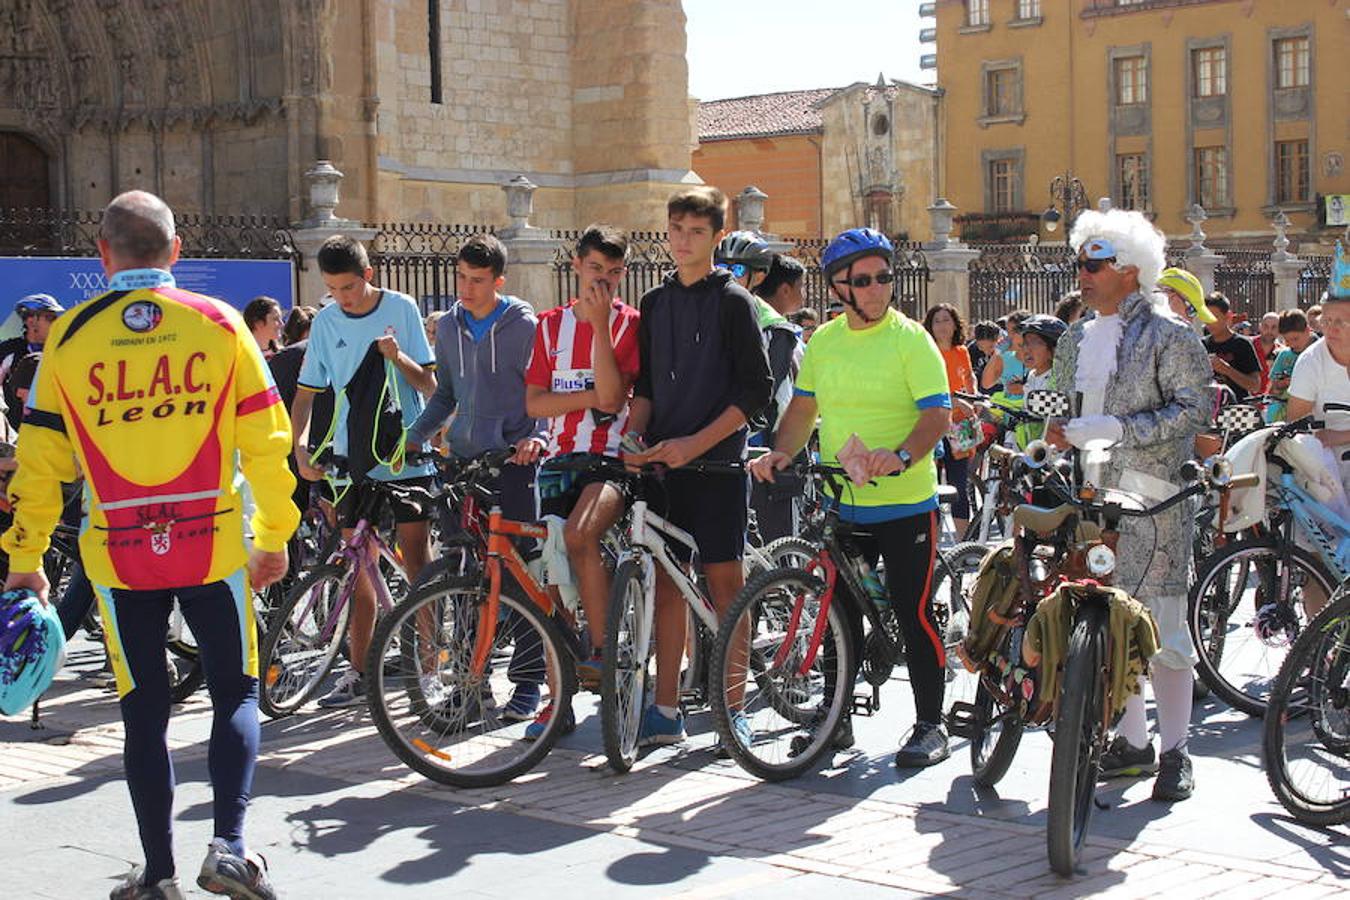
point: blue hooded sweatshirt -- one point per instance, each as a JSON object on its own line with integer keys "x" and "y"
{"x": 482, "y": 383}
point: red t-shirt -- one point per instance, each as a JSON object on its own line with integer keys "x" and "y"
{"x": 561, "y": 362}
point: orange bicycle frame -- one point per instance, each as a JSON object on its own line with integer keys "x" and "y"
{"x": 501, "y": 551}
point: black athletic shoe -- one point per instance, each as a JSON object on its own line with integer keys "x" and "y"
{"x": 926, "y": 746}
{"x": 1175, "y": 780}
{"x": 234, "y": 876}
{"x": 1121, "y": 759}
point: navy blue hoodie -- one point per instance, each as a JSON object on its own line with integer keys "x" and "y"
{"x": 482, "y": 383}
{"x": 702, "y": 352}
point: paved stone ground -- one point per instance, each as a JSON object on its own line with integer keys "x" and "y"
{"x": 339, "y": 817}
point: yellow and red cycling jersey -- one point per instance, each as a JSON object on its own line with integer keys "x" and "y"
{"x": 161, "y": 394}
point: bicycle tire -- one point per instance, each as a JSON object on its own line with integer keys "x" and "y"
{"x": 791, "y": 551}
{"x": 778, "y": 717}
{"x": 1079, "y": 735}
{"x": 1315, "y": 675}
{"x": 992, "y": 753}
{"x": 285, "y": 685}
{"x": 624, "y": 681}
{"x": 1237, "y": 664}
{"x": 185, "y": 682}
{"x": 460, "y": 738}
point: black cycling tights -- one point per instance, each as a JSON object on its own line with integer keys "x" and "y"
{"x": 135, "y": 628}
{"x": 909, "y": 548}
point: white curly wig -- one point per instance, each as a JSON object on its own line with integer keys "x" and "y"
{"x": 1136, "y": 241}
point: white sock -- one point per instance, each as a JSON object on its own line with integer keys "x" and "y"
{"x": 669, "y": 712}
{"x": 1172, "y": 692}
{"x": 1134, "y": 724}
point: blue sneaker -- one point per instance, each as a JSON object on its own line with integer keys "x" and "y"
{"x": 657, "y": 730}
{"x": 523, "y": 703}
{"x": 535, "y": 730}
{"x": 740, "y": 727}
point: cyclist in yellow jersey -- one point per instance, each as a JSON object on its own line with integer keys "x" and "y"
{"x": 877, "y": 374}
{"x": 160, "y": 394}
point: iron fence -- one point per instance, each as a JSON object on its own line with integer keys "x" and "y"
{"x": 418, "y": 258}
{"x": 72, "y": 232}
{"x": 1019, "y": 276}
{"x": 912, "y": 277}
{"x": 1314, "y": 279}
{"x": 1247, "y": 280}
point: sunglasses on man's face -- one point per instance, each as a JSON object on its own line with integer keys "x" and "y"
{"x": 885, "y": 276}
{"x": 737, "y": 270}
{"x": 1093, "y": 266}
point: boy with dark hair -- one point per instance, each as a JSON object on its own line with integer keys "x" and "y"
{"x": 782, "y": 287}
{"x": 580, "y": 375}
{"x": 1231, "y": 355}
{"x": 364, "y": 320}
{"x": 704, "y": 375}
{"x": 482, "y": 348}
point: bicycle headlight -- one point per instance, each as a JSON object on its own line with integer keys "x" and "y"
{"x": 1101, "y": 561}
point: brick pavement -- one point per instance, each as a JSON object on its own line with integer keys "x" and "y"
{"x": 686, "y": 801}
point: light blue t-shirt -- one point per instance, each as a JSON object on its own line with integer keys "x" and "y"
{"x": 337, "y": 344}
{"x": 1013, "y": 367}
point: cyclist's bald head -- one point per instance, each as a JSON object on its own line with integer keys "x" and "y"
{"x": 138, "y": 227}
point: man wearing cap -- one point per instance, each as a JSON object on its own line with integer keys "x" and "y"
{"x": 38, "y": 312}
{"x": 1142, "y": 384}
{"x": 1185, "y": 297}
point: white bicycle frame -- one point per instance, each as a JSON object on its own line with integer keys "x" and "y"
{"x": 648, "y": 536}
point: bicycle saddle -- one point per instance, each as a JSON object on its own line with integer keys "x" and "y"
{"x": 1041, "y": 519}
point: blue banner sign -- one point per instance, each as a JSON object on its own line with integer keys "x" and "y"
{"x": 72, "y": 280}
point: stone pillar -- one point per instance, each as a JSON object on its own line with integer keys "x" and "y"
{"x": 531, "y": 252}
{"x": 1200, "y": 260}
{"x": 948, "y": 260}
{"x": 309, "y": 234}
{"x": 1286, "y": 266}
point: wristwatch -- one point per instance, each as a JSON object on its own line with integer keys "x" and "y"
{"x": 906, "y": 459}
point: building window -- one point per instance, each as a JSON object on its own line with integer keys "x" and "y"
{"x": 1132, "y": 176}
{"x": 977, "y": 12}
{"x": 1291, "y": 62}
{"x": 1001, "y": 92}
{"x": 1291, "y": 171}
{"x": 1211, "y": 177}
{"x": 1131, "y": 80}
{"x": 434, "y": 48}
{"x": 1002, "y": 185}
{"x": 1209, "y": 71}
{"x": 1028, "y": 9}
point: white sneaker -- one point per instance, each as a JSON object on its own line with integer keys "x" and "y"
{"x": 133, "y": 887}
{"x": 349, "y": 691}
{"x": 433, "y": 692}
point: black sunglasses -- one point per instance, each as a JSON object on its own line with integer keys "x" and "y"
{"x": 1092, "y": 265}
{"x": 885, "y": 276}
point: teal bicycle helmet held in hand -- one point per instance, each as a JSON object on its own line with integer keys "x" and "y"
{"x": 32, "y": 649}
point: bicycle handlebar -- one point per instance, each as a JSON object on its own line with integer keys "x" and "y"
{"x": 596, "y": 462}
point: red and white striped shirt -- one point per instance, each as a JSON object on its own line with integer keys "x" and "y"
{"x": 562, "y": 363}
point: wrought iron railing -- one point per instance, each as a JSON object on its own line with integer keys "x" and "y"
{"x": 418, "y": 258}
{"x": 60, "y": 232}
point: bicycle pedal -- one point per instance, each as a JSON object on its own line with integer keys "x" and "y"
{"x": 865, "y": 705}
{"x": 965, "y": 720}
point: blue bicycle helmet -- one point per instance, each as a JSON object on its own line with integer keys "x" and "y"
{"x": 853, "y": 245}
{"x": 32, "y": 649}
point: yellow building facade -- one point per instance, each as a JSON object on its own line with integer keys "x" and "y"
{"x": 1238, "y": 105}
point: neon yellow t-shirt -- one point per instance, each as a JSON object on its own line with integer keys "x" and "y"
{"x": 874, "y": 382}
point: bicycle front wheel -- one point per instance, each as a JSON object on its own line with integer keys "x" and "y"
{"x": 1080, "y": 732}
{"x": 626, "y": 674}
{"x": 436, "y": 713}
{"x": 778, "y": 695}
{"x": 1307, "y": 725}
{"x": 1249, "y": 604}
{"x": 302, "y": 641}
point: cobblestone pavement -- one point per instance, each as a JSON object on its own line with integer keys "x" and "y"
{"x": 339, "y": 817}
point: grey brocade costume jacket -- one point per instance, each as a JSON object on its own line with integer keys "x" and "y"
{"x": 1160, "y": 392}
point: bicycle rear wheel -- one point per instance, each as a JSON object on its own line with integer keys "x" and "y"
{"x": 303, "y": 640}
{"x": 1247, "y": 607}
{"x": 760, "y": 697}
{"x": 440, "y": 718}
{"x": 627, "y": 655}
{"x": 995, "y": 740}
{"x": 1307, "y": 724}
{"x": 1079, "y": 735}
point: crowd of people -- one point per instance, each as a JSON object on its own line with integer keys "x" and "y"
{"x": 720, "y": 357}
